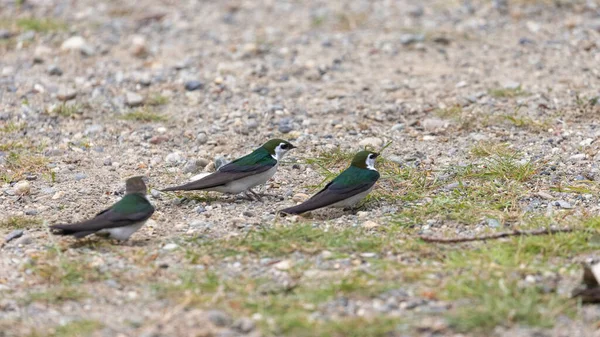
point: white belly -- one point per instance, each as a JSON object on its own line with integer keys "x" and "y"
{"x": 121, "y": 233}
{"x": 352, "y": 201}
{"x": 241, "y": 185}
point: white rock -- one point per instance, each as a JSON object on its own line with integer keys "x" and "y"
{"x": 283, "y": 265}
{"x": 170, "y": 246}
{"x": 370, "y": 224}
{"x": 58, "y": 195}
{"x": 373, "y": 142}
{"x": 579, "y": 156}
{"x": 173, "y": 158}
{"x": 586, "y": 142}
{"x": 299, "y": 197}
{"x": 433, "y": 124}
{"x": 22, "y": 187}
{"x": 77, "y": 43}
{"x": 132, "y": 99}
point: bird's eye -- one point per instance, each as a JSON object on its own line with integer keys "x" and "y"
{"x": 371, "y": 156}
{"x": 283, "y": 146}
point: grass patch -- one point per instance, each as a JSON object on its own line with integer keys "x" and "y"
{"x": 57, "y": 295}
{"x": 144, "y": 115}
{"x": 507, "y": 92}
{"x": 67, "y": 110}
{"x": 19, "y": 222}
{"x": 17, "y": 164}
{"x": 496, "y": 302}
{"x": 77, "y": 328}
{"x": 54, "y": 268}
{"x": 157, "y": 99}
{"x": 11, "y": 127}
{"x": 40, "y": 25}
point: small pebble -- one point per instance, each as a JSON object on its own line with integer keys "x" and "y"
{"x": 193, "y": 85}
{"x": 563, "y": 204}
{"x": 244, "y": 325}
{"x": 54, "y": 70}
{"x": 22, "y": 187}
{"x": 373, "y": 142}
{"x": 17, "y": 233}
{"x": 201, "y": 138}
{"x": 132, "y": 99}
{"x": 200, "y": 209}
{"x": 31, "y": 212}
{"x": 170, "y": 246}
{"x": 80, "y": 176}
{"x": 218, "y": 318}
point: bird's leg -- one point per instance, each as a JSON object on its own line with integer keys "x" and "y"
{"x": 258, "y": 197}
{"x": 248, "y": 196}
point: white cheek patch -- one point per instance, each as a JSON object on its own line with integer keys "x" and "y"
{"x": 370, "y": 163}
{"x": 279, "y": 152}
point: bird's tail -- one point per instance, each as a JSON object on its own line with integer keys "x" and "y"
{"x": 72, "y": 229}
{"x": 185, "y": 187}
{"x": 304, "y": 207}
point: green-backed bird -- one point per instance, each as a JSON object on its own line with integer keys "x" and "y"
{"x": 244, "y": 173}
{"x": 347, "y": 189}
{"x": 120, "y": 220}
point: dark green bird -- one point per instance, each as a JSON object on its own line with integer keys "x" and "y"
{"x": 244, "y": 173}
{"x": 347, "y": 189}
{"x": 119, "y": 221}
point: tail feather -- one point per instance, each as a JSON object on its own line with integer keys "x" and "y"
{"x": 302, "y": 208}
{"x": 78, "y": 230}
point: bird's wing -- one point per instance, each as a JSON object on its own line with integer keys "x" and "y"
{"x": 131, "y": 209}
{"x": 254, "y": 163}
{"x": 349, "y": 183}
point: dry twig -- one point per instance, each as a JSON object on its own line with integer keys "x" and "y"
{"x": 543, "y": 231}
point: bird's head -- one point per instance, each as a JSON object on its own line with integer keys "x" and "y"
{"x": 136, "y": 185}
{"x": 365, "y": 160}
{"x": 278, "y": 148}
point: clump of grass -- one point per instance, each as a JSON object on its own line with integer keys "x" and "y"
{"x": 54, "y": 268}
{"x": 40, "y": 25}
{"x": 19, "y": 163}
{"x": 496, "y": 302}
{"x": 507, "y": 92}
{"x": 11, "y": 127}
{"x": 144, "y": 115}
{"x": 67, "y": 110}
{"x": 57, "y": 295}
{"x": 488, "y": 149}
{"x": 19, "y": 222}
{"x": 157, "y": 99}
{"x": 77, "y": 328}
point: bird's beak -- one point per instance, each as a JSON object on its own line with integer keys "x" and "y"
{"x": 375, "y": 154}
{"x": 292, "y": 146}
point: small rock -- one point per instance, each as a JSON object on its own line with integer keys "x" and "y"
{"x": 563, "y": 204}
{"x": 283, "y": 265}
{"x": 244, "y": 325}
{"x": 434, "y": 124}
{"x": 370, "y": 224}
{"x": 576, "y": 157}
{"x": 17, "y": 233}
{"x": 23, "y": 241}
{"x": 193, "y": 85}
{"x": 372, "y": 142}
{"x": 155, "y": 193}
{"x": 58, "y": 195}
{"x": 511, "y": 85}
{"x": 299, "y": 197}
{"x": 200, "y": 209}
{"x": 65, "y": 94}
{"x": 544, "y": 195}
{"x": 158, "y": 139}
{"x": 406, "y": 39}
{"x": 201, "y": 138}
{"x": 31, "y": 212}
{"x": 77, "y": 43}
{"x": 93, "y": 129}
{"x": 80, "y": 176}
{"x": 397, "y": 127}
{"x": 170, "y": 246}
{"x": 586, "y": 142}
{"x": 22, "y": 187}
{"x": 285, "y": 125}
{"x": 190, "y": 167}
{"x": 41, "y": 53}
{"x": 54, "y": 70}
{"x": 218, "y": 318}
{"x": 5, "y": 34}
{"x": 132, "y": 99}
{"x": 493, "y": 223}
{"x": 138, "y": 46}
{"x": 173, "y": 158}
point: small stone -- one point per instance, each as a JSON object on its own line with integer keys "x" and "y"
{"x": 586, "y": 142}
{"x": 299, "y": 197}
{"x": 107, "y": 162}
{"x": 563, "y": 204}
{"x": 511, "y": 85}
{"x": 22, "y": 187}
{"x": 434, "y": 124}
{"x": 138, "y": 46}
{"x": 218, "y": 318}
{"x": 5, "y": 34}
{"x": 397, "y": 127}
{"x": 372, "y": 142}
{"x": 58, "y": 195}
{"x": 493, "y": 223}
{"x": 54, "y": 70}
{"x": 244, "y": 325}
{"x": 406, "y": 39}
{"x": 23, "y": 241}
{"x": 202, "y": 162}
{"x": 65, "y": 94}
{"x": 201, "y": 138}
{"x": 132, "y": 99}
{"x": 368, "y": 255}
{"x": 283, "y": 265}
{"x": 155, "y": 193}
{"x": 80, "y": 176}
{"x": 173, "y": 158}
{"x": 190, "y": 167}
{"x": 193, "y": 85}
{"x": 577, "y": 157}
{"x": 170, "y": 246}
{"x": 285, "y": 125}
{"x": 544, "y": 195}
{"x": 77, "y": 43}
{"x": 200, "y": 209}
{"x": 17, "y": 233}
{"x": 31, "y": 212}
{"x": 93, "y": 129}
{"x": 41, "y": 53}
{"x": 158, "y": 139}
{"x": 370, "y": 225}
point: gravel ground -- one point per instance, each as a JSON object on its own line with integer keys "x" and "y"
{"x": 94, "y": 92}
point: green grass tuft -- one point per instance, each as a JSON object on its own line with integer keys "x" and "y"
{"x": 40, "y": 25}
{"x": 19, "y": 222}
{"x": 507, "y": 92}
{"x": 144, "y": 115}
{"x": 77, "y": 328}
